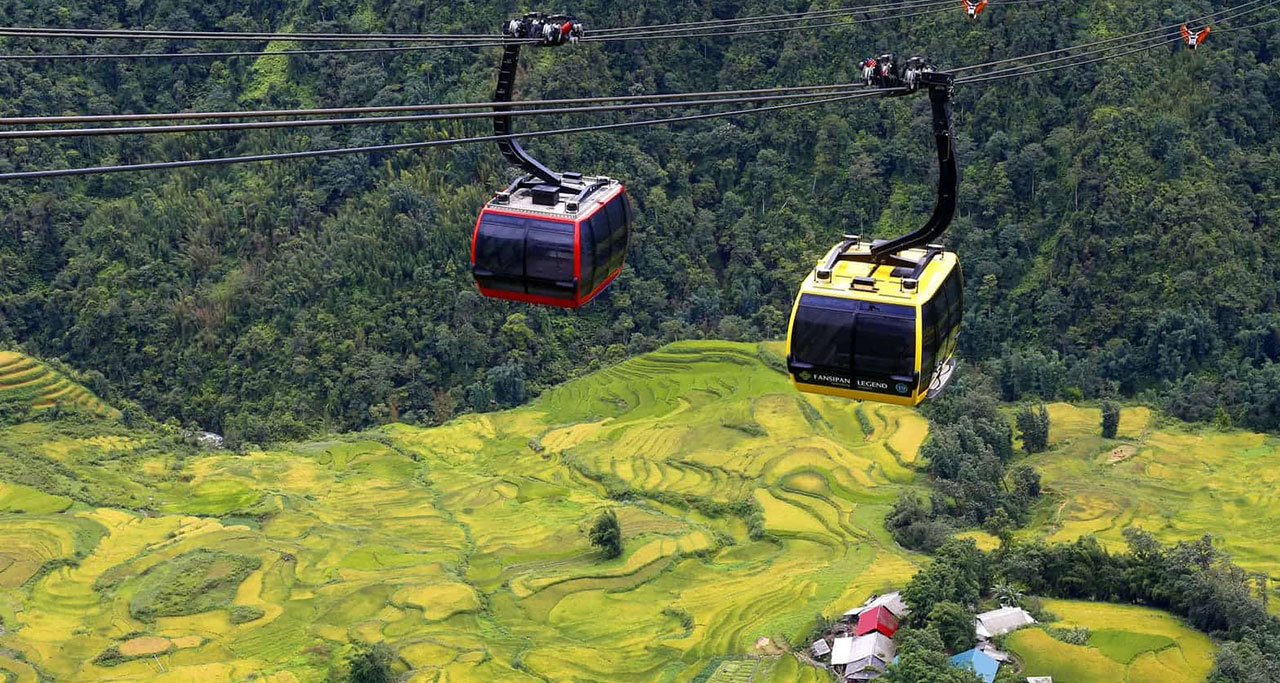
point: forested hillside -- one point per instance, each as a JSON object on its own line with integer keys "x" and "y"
{"x": 1117, "y": 220}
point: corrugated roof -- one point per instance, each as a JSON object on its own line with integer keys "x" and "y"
{"x": 891, "y": 600}
{"x": 978, "y": 662}
{"x": 878, "y": 618}
{"x": 873, "y": 645}
{"x": 1000, "y": 621}
{"x": 820, "y": 647}
{"x": 842, "y": 651}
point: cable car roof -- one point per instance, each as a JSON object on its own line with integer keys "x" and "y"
{"x": 888, "y": 286}
{"x": 522, "y": 200}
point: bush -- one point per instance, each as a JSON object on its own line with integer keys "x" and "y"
{"x": 371, "y": 663}
{"x": 1110, "y": 419}
{"x": 1072, "y": 636}
{"x": 954, "y": 625}
{"x": 606, "y": 534}
{"x": 243, "y": 614}
{"x": 191, "y": 583}
{"x": 913, "y": 525}
{"x": 1033, "y": 423}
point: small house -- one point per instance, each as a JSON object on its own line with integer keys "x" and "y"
{"x": 862, "y": 658}
{"x": 893, "y": 601}
{"x": 877, "y": 620}
{"x": 978, "y": 662}
{"x": 865, "y": 669}
{"x": 1000, "y": 621}
{"x": 820, "y": 648}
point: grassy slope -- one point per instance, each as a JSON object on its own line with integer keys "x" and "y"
{"x": 1175, "y": 481}
{"x": 463, "y": 545}
{"x": 25, "y": 380}
{"x": 1128, "y": 643}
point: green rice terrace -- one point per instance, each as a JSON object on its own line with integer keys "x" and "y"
{"x": 464, "y": 546}
{"x": 26, "y": 382}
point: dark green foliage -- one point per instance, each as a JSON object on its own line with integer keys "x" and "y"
{"x": 606, "y": 534}
{"x": 110, "y": 657}
{"x": 959, "y": 573}
{"x": 1000, "y": 525}
{"x": 1026, "y": 481}
{"x": 914, "y": 526}
{"x": 1033, "y": 424}
{"x": 954, "y": 624}
{"x": 1248, "y": 661}
{"x": 371, "y": 663}
{"x": 193, "y": 582}
{"x": 1110, "y": 419}
{"x": 265, "y": 301}
{"x": 1190, "y": 578}
{"x": 243, "y": 614}
{"x": 969, "y": 444}
{"x": 922, "y": 659}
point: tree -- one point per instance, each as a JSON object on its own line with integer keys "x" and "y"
{"x": 1008, "y": 594}
{"x": 913, "y": 525}
{"x": 371, "y": 663}
{"x": 1000, "y": 525}
{"x": 1110, "y": 419}
{"x": 921, "y": 659}
{"x": 955, "y": 626}
{"x": 606, "y": 534}
{"x": 1033, "y": 423}
{"x": 1026, "y": 481}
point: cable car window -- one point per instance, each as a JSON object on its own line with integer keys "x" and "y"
{"x": 885, "y": 345}
{"x": 929, "y": 335}
{"x": 604, "y": 238}
{"x": 549, "y": 261}
{"x": 618, "y": 228}
{"x": 587, "y": 256}
{"x": 955, "y": 288}
{"x": 823, "y": 332}
{"x": 500, "y": 251}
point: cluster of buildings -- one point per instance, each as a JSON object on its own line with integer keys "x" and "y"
{"x": 861, "y": 644}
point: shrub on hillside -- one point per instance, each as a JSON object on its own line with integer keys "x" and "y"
{"x": 191, "y": 583}
{"x": 1110, "y": 419}
{"x": 243, "y": 614}
{"x": 371, "y": 663}
{"x": 606, "y": 534}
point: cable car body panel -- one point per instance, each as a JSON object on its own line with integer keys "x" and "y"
{"x": 563, "y": 254}
{"x": 886, "y": 342}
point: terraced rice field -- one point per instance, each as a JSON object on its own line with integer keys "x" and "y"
{"x": 1128, "y": 643}
{"x": 464, "y": 546}
{"x": 28, "y": 381}
{"x": 1175, "y": 481}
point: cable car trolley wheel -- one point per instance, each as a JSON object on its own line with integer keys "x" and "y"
{"x": 556, "y": 239}
{"x": 877, "y": 320}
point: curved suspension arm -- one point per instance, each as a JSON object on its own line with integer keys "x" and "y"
{"x": 940, "y": 87}
{"x": 502, "y": 124}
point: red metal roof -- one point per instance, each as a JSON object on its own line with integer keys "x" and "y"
{"x": 877, "y": 619}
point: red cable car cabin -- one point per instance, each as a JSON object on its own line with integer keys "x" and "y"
{"x": 555, "y": 246}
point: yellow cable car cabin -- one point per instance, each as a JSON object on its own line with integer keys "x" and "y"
{"x": 877, "y": 332}
{"x": 877, "y": 320}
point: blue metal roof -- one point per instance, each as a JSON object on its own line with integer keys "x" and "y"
{"x": 979, "y": 662}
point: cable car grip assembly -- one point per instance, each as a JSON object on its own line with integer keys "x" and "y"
{"x": 545, "y": 185}
{"x": 915, "y": 76}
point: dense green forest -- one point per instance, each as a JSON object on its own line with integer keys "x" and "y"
{"x": 1117, "y": 221}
